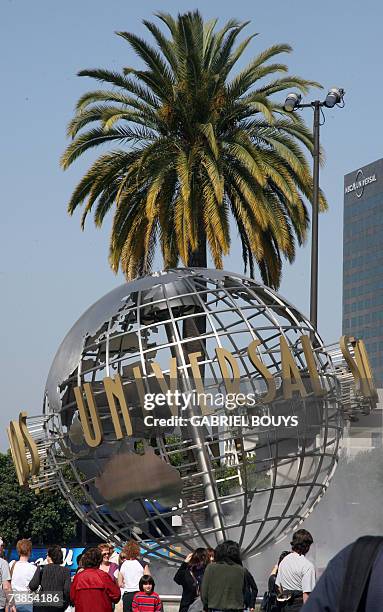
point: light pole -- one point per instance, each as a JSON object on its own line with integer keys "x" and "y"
{"x": 292, "y": 103}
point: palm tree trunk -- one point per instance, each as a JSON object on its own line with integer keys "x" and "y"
{"x": 194, "y": 327}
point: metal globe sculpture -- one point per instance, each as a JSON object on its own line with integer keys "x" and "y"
{"x": 174, "y": 487}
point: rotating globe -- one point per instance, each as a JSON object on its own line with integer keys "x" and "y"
{"x": 176, "y": 486}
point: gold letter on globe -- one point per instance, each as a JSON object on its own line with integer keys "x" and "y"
{"x": 20, "y": 440}
{"x": 91, "y": 426}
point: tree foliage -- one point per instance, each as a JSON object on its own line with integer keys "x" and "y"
{"x": 46, "y": 518}
{"x": 200, "y": 145}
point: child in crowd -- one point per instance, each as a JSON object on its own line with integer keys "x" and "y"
{"x": 146, "y": 600}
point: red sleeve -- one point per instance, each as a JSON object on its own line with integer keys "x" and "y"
{"x": 112, "y": 589}
{"x": 73, "y": 590}
{"x": 158, "y": 606}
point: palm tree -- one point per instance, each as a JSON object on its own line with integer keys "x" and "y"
{"x": 199, "y": 145}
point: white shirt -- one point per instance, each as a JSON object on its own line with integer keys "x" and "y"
{"x": 296, "y": 573}
{"x": 132, "y": 571}
{"x": 4, "y": 575}
{"x": 22, "y": 574}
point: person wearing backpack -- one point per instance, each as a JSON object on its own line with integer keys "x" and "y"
{"x": 352, "y": 581}
{"x": 189, "y": 576}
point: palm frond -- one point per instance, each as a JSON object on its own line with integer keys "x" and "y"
{"x": 106, "y": 76}
{"x": 165, "y": 45}
{"x": 208, "y": 131}
{"x": 221, "y": 61}
{"x": 97, "y": 136}
{"x": 92, "y": 97}
{"x": 151, "y": 58}
{"x": 289, "y": 82}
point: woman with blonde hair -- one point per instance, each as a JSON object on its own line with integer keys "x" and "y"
{"x": 131, "y": 571}
{"x": 106, "y": 564}
{"x": 22, "y": 572}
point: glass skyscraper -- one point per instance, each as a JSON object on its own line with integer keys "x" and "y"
{"x": 363, "y": 261}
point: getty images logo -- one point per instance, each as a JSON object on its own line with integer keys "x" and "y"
{"x": 359, "y": 184}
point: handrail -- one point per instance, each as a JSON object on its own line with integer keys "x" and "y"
{"x": 170, "y": 598}
{"x": 177, "y": 598}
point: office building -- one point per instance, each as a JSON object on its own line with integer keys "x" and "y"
{"x": 363, "y": 261}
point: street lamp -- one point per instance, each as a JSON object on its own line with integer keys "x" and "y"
{"x": 293, "y": 102}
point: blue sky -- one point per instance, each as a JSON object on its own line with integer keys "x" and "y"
{"x": 50, "y": 271}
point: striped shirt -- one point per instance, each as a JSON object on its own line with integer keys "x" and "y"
{"x": 146, "y": 602}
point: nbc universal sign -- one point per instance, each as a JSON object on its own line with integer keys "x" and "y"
{"x": 360, "y": 183}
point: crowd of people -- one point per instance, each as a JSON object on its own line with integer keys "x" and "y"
{"x": 102, "y": 579}
{"x": 211, "y": 580}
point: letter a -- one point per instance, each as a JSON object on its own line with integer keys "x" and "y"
{"x": 289, "y": 371}
{"x": 311, "y": 366}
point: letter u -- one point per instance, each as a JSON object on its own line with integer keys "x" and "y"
{"x": 89, "y": 417}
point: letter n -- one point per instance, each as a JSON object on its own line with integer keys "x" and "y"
{"x": 114, "y": 389}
